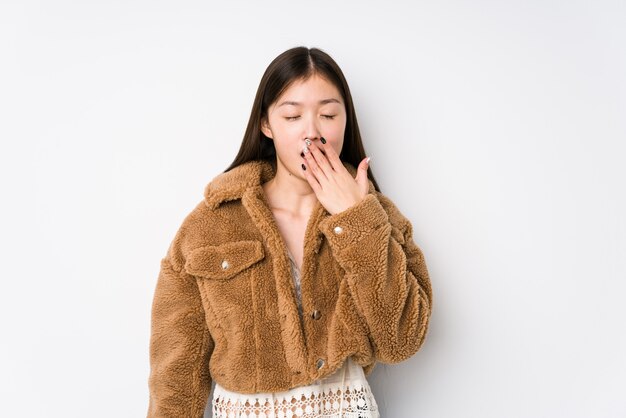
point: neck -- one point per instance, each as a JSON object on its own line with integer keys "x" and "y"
{"x": 289, "y": 193}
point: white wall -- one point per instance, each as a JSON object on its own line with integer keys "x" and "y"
{"x": 497, "y": 127}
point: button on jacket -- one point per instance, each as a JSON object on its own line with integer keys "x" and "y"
{"x": 225, "y": 308}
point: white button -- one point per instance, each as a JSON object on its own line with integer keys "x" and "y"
{"x": 338, "y": 230}
{"x": 320, "y": 363}
{"x": 225, "y": 264}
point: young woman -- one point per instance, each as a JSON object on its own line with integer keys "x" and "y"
{"x": 295, "y": 274}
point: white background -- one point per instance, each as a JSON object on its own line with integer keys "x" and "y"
{"x": 497, "y": 127}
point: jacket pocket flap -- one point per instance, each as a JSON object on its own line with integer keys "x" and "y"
{"x": 225, "y": 260}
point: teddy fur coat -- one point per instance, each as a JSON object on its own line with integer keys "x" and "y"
{"x": 225, "y": 308}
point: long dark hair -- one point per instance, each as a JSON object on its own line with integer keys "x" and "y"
{"x": 298, "y": 63}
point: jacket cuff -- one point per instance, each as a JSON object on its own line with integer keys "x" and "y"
{"x": 348, "y": 227}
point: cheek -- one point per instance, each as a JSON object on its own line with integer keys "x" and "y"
{"x": 338, "y": 127}
{"x": 336, "y": 143}
{"x": 288, "y": 145}
{"x": 334, "y": 134}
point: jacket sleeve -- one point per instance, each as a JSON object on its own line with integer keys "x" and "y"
{"x": 386, "y": 273}
{"x": 180, "y": 347}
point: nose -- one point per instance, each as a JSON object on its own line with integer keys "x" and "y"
{"x": 312, "y": 130}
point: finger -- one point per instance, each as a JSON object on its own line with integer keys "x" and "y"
{"x": 332, "y": 156}
{"x": 321, "y": 159}
{"x": 309, "y": 176}
{"x": 313, "y": 165}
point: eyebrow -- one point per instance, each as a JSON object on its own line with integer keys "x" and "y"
{"x": 325, "y": 101}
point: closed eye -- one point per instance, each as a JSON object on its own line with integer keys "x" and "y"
{"x": 296, "y": 117}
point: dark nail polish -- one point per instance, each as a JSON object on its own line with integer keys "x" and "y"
{"x": 303, "y": 167}
{"x": 302, "y": 154}
{"x": 323, "y": 140}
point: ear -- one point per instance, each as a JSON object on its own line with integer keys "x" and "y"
{"x": 265, "y": 128}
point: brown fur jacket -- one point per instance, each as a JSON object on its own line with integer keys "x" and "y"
{"x": 224, "y": 306}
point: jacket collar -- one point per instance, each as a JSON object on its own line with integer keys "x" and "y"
{"x": 232, "y": 184}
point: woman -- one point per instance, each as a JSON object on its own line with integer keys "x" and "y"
{"x": 295, "y": 274}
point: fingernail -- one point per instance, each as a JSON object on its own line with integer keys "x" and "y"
{"x": 302, "y": 154}
{"x": 323, "y": 140}
{"x": 303, "y": 167}
{"x": 368, "y": 160}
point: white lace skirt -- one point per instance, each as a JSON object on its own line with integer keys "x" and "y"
{"x": 344, "y": 394}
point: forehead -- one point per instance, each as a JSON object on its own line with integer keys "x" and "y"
{"x": 315, "y": 90}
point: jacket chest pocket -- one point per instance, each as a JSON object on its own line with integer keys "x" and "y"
{"x": 224, "y": 261}
{"x": 224, "y": 275}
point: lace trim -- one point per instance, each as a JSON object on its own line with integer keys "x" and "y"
{"x": 357, "y": 403}
{"x": 344, "y": 394}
